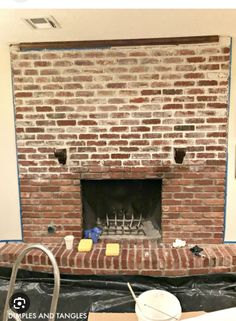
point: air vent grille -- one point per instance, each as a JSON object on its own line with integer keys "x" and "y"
{"x": 43, "y": 23}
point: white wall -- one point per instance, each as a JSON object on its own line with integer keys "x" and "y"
{"x": 230, "y": 219}
{"x": 10, "y": 223}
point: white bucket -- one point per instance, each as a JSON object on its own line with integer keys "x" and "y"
{"x": 158, "y": 305}
{"x": 69, "y": 239}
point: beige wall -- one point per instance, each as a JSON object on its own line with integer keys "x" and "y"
{"x": 230, "y": 229}
{"x": 10, "y": 227}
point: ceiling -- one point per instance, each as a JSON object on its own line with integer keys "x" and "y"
{"x": 101, "y": 24}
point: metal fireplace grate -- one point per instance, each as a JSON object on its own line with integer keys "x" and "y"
{"x": 119, "y": 222}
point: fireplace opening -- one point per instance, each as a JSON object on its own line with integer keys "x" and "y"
{"x": 123, "y": 208}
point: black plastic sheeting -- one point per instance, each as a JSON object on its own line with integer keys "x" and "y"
{"x": 80, "y": 294}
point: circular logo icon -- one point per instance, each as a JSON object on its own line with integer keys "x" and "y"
{"x": 19, "y": 302}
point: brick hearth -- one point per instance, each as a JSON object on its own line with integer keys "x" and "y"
{"x": 139, "y": 258}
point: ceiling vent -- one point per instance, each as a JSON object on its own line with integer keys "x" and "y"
{"x": 43, "y": 23}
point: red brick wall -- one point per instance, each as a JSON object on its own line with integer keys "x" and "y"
{"x": 119, "y": 112}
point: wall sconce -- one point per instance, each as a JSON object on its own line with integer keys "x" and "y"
{"x": 179, "y": 155}
{"x": 60, "y": 154}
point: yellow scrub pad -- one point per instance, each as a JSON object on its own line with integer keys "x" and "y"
{"x": 85, "y": 245}
{"x": 112, "y": 249}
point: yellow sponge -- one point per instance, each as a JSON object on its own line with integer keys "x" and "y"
{"x": 112, "y": 249}
{"x": 85, "y": 245}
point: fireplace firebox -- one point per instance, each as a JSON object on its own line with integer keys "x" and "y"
{"x": 123, "y": 208}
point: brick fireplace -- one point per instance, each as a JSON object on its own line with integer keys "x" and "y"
{"x": 122, "y": 113}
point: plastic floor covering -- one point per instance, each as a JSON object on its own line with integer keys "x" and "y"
{"x": 81, "y": 294}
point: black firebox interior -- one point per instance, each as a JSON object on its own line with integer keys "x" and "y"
{"x": 131, "y": 198}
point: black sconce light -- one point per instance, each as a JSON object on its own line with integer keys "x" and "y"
{"x": 60, "y": 154}
{"x": 179, "y": 155}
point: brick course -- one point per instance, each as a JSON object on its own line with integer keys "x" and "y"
{"x": 139, "y": 258}
{"x": 119, "y": 112}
